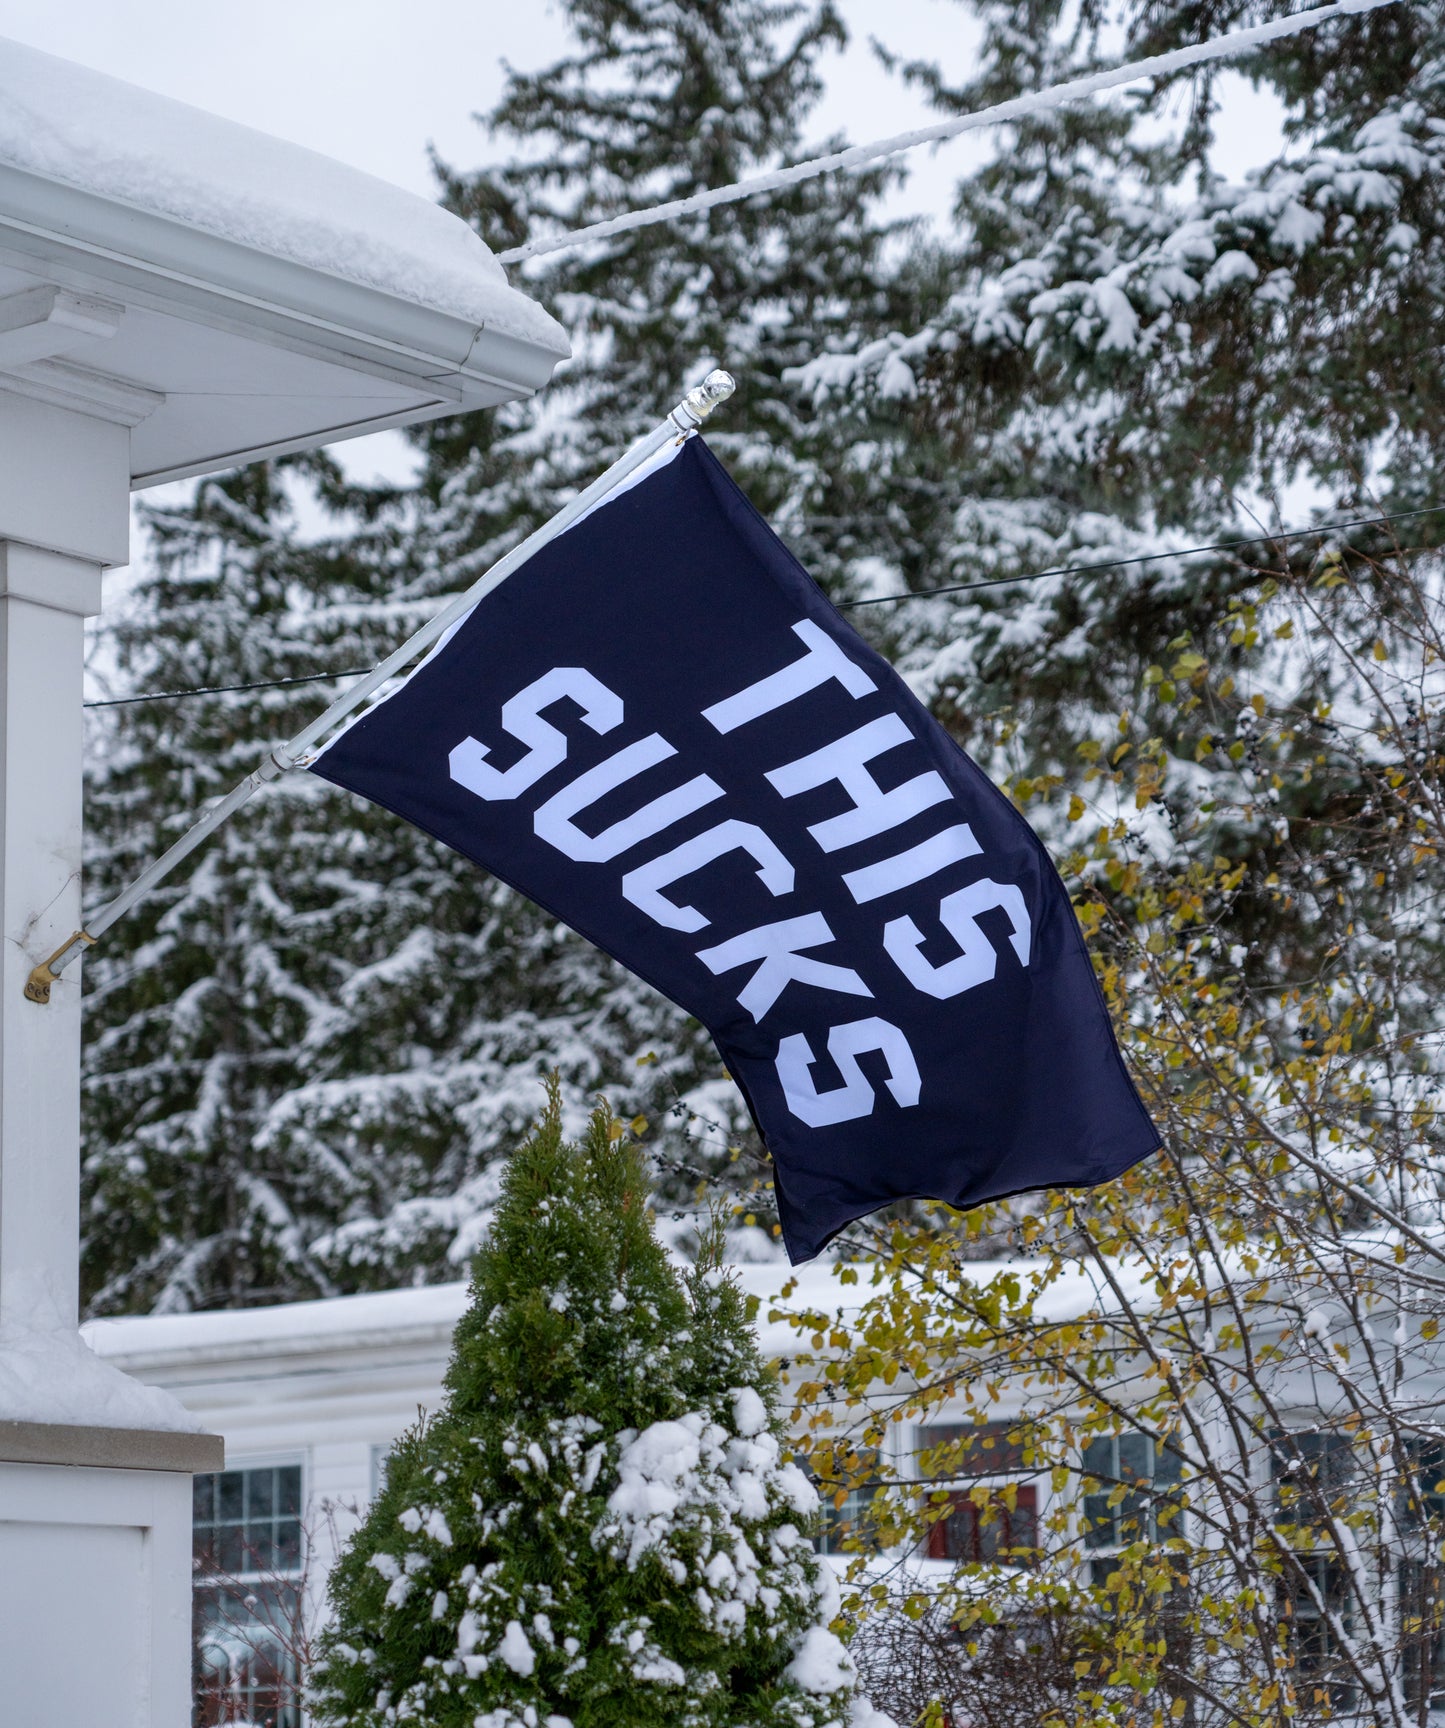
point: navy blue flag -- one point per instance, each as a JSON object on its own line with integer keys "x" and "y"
{"x": 661, "y": 731}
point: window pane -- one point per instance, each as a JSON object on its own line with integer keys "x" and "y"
{"x": 288, "y": 1545}
{"x": 288, "y": 1499}
{"x": 978, "y": 1448}
{"x": 1136, "y": 1457}
{"x": 844, "y": 1526}
{"x": 1135, "y": 1520}
{"x": 1422, "y": 1599}
{"x": 231, "y": 1498}
{"x": 1099, "y": 1527}
{"x": 1312, "y": 1470}
{"x": 1099, "y": 1458}
{"x": 227, "y": 1550}
{"x": 1337, "y": 1464}
{"x": 1425, "y": 1462}
{"x": 1023, "y": 1521}
{"x": 1316, "y": 1589}
{"x": 1147, "y": 1512}
{"x": 955, "y": 1537}
{"x": 259, "y": 1546}
{"x": 245, "y": 1656}
{"x": 988, "y": 1533}
{"x": 260, "y": 1493}
{"x": 203, "y": 1497}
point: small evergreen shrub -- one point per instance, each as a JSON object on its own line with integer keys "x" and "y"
{"x": 597, "y": 1529}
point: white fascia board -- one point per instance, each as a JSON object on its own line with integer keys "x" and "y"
{"x": 217, "y": 460}
{"x": 188, "y": 271}
{"x": 253, "y": 1358}
{"x": 290, "y": 1329}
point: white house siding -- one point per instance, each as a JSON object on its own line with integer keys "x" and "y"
{"x": 330, "y": 1383}
{"x": 325, "y": 1384}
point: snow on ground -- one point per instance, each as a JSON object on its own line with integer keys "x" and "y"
{"x": 103, "y": 136}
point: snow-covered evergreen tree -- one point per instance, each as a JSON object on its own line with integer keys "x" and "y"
{"x": 305, "y": 1060}
{"x": 1138, "y": 354}
{"x": 216, "y": 995}
{"x": 598, "y": 1528}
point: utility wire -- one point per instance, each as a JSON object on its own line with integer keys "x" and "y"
{"x": 1142, "y": 558}
{"x": 1019, "y": 107}
{"x": 875, "y": 600}
{"x": 225, "y": 689}
{"x": 1036, "y": 102}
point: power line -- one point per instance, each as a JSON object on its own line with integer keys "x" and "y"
{"x": 225, "y": 689}
{"x": 1019, "y": 107}
{"x": 1143, "y": 558}
{"x": 875, "y": 600}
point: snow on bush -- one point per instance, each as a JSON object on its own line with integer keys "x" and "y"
{"x": 600, "y": 1527}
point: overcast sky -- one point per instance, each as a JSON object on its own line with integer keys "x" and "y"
{"x": 372, "y": 82}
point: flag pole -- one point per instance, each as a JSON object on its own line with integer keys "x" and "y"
{"x": 681, "y": 423}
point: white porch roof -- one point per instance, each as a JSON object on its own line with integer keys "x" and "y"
{"x": 229, "y": 295}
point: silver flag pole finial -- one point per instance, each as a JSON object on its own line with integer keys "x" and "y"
{"x": 702, "y": 399}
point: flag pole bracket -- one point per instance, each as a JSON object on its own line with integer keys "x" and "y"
{"x": 37, "y": 985}
{"x": 684, "y": 420}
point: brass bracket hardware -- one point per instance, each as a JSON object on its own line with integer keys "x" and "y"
{"x": 37, "y": 985}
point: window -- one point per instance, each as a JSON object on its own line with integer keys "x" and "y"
{"x": 1422, "y": 1630}
{"x": 1312, "y": 1469}
{"x": 1422, "y": 1492}
{"x": 997, "y": 1525}
{"x": 1001, "y": 1527}
{"x": 845, "y": 1527}
{"x": 973, "y": 1449}
{"x": 1315, "y": 1603}
{"x": 247, "y": 1552}
{"x": 1147, "y": 1469}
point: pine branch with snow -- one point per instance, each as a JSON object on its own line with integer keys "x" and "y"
{"x": 599, "y": 1527}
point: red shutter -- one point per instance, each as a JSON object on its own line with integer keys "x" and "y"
{"x": 967, "y": 1534}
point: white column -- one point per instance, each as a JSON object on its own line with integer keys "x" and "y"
{"x": 94, "y": 1518}
{"x": 45, "y": 598}
{"x": 64, "y": 515}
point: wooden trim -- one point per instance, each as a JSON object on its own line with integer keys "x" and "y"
{"x": 109, "y": 1448}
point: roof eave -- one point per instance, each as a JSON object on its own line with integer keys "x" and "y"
{"x": 83, "y": 240}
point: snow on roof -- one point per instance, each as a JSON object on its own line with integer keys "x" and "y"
{"x": 284, "y": 1329}
{"x": 429, "y": 1313}
{"x": 394, "y": 1316}
{"x": 83, "y": 129}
